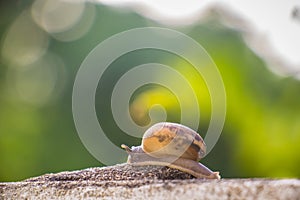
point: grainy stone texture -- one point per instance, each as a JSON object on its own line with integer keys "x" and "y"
{"x": 126, "y": 181}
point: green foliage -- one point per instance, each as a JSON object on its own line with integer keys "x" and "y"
{"x": 261, "y": 135}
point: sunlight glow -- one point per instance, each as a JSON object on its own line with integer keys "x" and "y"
{"x": 267, "y": 19}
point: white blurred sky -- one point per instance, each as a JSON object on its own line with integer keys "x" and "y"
{"x": 271, "y": 20}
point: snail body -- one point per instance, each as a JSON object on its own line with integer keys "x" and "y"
{"x": 172, "y": 145}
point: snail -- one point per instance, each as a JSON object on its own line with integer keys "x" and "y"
{"x": 173, "y": 145}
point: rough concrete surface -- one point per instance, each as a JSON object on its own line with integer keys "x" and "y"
{"x": 126, "y": 181}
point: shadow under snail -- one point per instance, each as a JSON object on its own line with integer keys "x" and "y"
{"x": 172, "y": 145}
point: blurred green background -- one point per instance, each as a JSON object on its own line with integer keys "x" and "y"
{"x": 41, "y": 55}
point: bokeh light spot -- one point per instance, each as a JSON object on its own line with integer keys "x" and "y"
{"x": 24, "y": 42}
{"x": 40, "y": 83}
{"x": 56, "y": 16}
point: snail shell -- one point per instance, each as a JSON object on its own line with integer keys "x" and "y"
{"x": 173, "y": 145}
{"x": 165, "y": 138}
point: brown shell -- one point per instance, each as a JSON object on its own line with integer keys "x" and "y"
{"x": 165, "y": 138}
